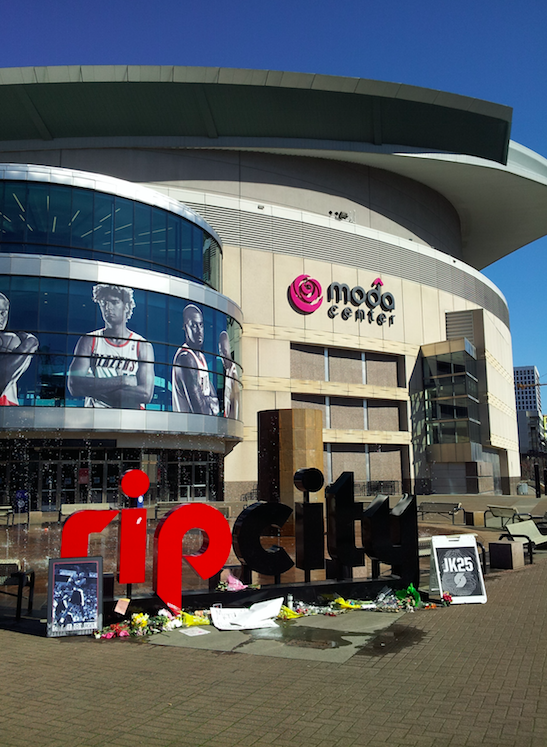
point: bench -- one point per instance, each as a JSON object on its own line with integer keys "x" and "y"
{"x": 504, "y": 513}
{"x": 438, "y": 507}
{"x": 67, "y": 509}
{"x": 6, "y": 512}
{"x": 12, "y": 575}
{"x": 162, "y": 507}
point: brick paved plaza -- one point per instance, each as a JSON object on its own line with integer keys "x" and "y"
{"x": 466, "y": 675}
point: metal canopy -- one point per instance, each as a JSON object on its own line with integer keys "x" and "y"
{"x": 456, "y": 145}
{"x": 74, "y": 102}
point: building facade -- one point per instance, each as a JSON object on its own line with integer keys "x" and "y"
{"x": 530, "y": 423}
{"x": 352, "y": 218}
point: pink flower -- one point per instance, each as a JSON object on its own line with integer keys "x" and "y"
{"x": 305, "y": 294}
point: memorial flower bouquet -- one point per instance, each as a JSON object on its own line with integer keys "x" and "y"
{"x": 141, "y": 624}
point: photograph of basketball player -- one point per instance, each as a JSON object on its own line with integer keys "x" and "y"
{"x": 19, "y": 347}
{"x": 193, "y": 390}
{"x": 231, "y": 390}
{"x": 113, "y": 366}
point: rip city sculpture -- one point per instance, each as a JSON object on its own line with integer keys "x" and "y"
{"x": 388, "y": 536}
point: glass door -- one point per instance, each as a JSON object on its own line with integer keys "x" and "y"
{"x": 68, "y": 482}
{"x": 48, "y": 486}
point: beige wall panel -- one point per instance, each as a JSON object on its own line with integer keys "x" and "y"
{"x": 283, "y": 400}
{"x": 412, "y": 313}
{"x": 433, "y": 317}
{"x": 446, "y": 304}
{"x": 274, "y": 358}
{"x": 286, "y": 269}
{"x": 249, "y": 355}
{"x": 242, "y": 463}
{"x": 231, "y": 273}
{"x": 253, "y": 402}
{"x": 256, "y": 287}
{"x": 460, "y": 304}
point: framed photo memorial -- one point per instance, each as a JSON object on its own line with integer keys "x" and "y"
{"x": 456, "y": 568}
{"x": 75, "y": 596}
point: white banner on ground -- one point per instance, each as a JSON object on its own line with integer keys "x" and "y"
{"x": 259, "y": 615}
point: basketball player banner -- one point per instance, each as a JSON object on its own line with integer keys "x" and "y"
{"x": 456, "y": 570}
{"x": 75, "y": 589}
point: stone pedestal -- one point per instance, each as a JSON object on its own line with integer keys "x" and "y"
{"x": 474, "y": 518}
{"x": 506, "y": 554}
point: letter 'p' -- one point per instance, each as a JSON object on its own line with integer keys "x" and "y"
{"x": 168, "y": 548}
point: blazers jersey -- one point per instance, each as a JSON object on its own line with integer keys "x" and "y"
{"x": 109, "y": 358}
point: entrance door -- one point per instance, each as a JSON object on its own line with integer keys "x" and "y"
{"x": 48, "y": 489}
{"x": 68, "y": 482}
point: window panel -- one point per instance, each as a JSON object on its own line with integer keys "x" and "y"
{"x": 103, "y": 220}
{"x": 38, "y": 213}
{"x": 60, "y": 216}
{"x": 123, "y": 226}
{"x": 14, "y": 212}
{"x": 53, "y": 303}
{"x": 23, "y": 298}
{"x": 142, "y": 231}
{"x": 81, "y": 221}
{"x": 159, "y": 236}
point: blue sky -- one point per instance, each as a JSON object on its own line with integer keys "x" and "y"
{"x": 491, "y": 50}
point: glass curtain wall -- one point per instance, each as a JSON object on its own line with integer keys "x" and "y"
{"x": 452, "y": 398}
{"x": 53, "y": 473}
{"x": 71, "y": 343}
{"x": 67, "y": 221}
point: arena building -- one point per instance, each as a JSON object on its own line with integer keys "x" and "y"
{"x": 317, "y": 240}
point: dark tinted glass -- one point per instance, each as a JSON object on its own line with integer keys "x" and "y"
{"x": 75, "y": 222}
{"x": 50, "y": 316}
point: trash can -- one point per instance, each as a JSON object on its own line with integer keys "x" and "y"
{"x": 522, "y": 488}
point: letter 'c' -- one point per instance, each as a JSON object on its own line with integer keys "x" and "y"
{"x": 168, "y": 548}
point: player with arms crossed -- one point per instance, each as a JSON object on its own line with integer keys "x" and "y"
{"x": 20, "y": 347}
{"x": 113, "y": 366}
{"x": 193, "y": 390}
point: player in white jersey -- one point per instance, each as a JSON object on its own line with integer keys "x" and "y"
{"x": 193, "y": 390}
{"x": 19, "y": 348}
{"x": 231, "y": 391}
{"x": 113, "y": 367}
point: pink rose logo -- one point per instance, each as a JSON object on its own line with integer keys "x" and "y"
{"x": 305, "y": 294}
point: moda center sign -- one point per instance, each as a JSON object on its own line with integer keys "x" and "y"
{"x": 374, "y": 305}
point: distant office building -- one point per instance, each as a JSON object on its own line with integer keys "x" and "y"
{"x": 530, "y": 420}
{"x": 527, "y": 391}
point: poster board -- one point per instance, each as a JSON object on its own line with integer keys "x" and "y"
{"x": 456, "y": 569}
{"x": 75, "y": 596}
